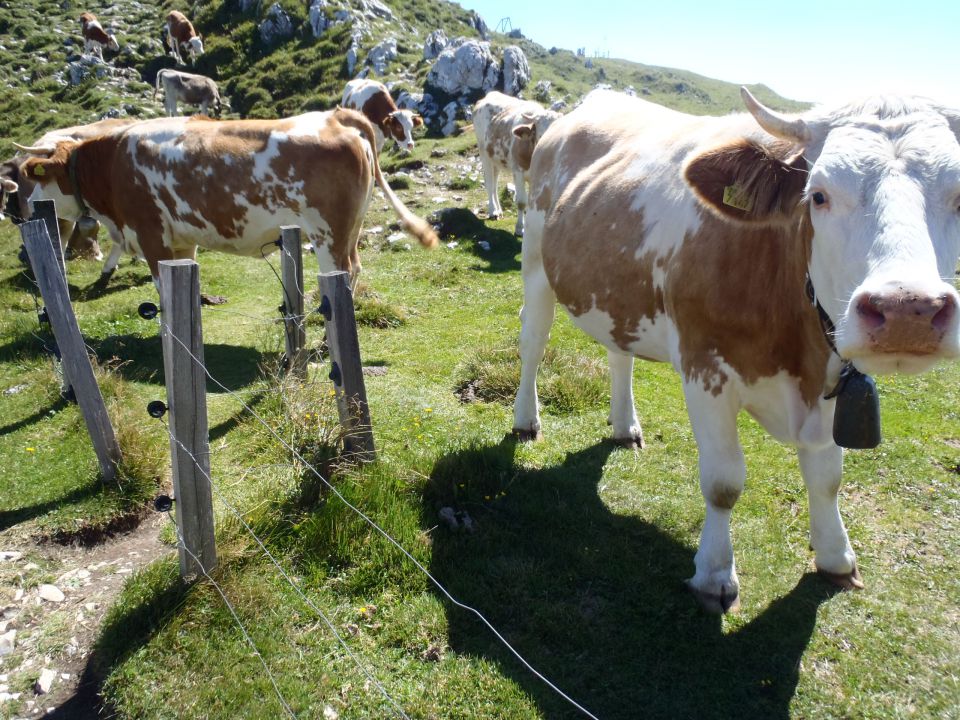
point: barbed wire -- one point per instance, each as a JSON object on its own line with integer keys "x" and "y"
{"x": 323, "y": 617}
{"x": 384, "y": 533}
{"x": 273, "y": 681}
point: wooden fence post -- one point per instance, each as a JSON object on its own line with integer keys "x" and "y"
{"x": 347, "y": 372}
{"x": 73, "y": 351}
{"x": 291, "y": 271}
{"x": 185, "y": 374}
{"x": 46, "y": 210}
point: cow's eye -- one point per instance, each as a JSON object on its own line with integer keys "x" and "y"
{"x": 819, "y": 199}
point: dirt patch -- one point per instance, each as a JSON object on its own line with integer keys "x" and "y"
{"x": 54, "y": 598}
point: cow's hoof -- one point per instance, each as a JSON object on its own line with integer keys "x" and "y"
{"x": 847, "y": 581}
{"x": 212, "y": 299}
{"x": 631, "y": 442}
{"x": 725, "y": 601}
{"x": 527, "y": 435}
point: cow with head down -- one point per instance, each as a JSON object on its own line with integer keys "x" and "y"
{"x": 79, "y": 239}
{"x": 95, "y": 38}
{"x": 182, "y": 38}
{"x": 170, "y": 185}
{"x": 507, "y": 131}
{"x": 699, "y": 241}
{"x": 373, "y": 100}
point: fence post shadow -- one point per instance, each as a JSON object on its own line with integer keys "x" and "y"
{"x": 595, "y": 600}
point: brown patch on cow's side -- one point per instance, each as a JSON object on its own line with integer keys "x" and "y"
{"x": 378, "y": 108}
{"x": 736, "y": 294}
{"x": 749, "y": 181}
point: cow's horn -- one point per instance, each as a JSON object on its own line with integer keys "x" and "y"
{"x": 41, "y": 150}
{"x": 781, "y": 126}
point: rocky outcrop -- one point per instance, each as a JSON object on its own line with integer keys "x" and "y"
{"x": 477, "y": 23}
{"x": 380, "y": 57}
{"x": 319, "y": 21}
{"x": 435, "y": 44}
{"x": 516, "y": 70}
{"x": 464, "y": 67}
{"x": 276, "y": 26}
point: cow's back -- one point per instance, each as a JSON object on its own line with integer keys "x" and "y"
{"x": 665, "y": 277}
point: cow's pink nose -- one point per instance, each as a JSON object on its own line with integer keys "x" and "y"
{"x": 900, "y": 320}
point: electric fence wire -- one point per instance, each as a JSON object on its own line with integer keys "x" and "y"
{"x": 165, "y": 328}
{"x": 310, "y": 603}
{"x": 236, "y": 617}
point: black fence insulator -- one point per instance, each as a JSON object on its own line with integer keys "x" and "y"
{"x": 324, "y": 308}
{"x": 69, "y": 395}
{"x": 148, "y": 310}
{"x": 162, "y": 503}
{"x": 43, "y": 316}
{"x": 335, "y": 375}
{"x": 156, "y": 408}
{"x": 282, "y": 309}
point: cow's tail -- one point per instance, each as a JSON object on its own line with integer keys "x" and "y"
{"x": 416, "y": 226}
{"x": 156, "y": 88}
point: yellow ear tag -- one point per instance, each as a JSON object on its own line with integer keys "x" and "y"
{"x": 39, "y": 170}
{"x": 735, "y": 197}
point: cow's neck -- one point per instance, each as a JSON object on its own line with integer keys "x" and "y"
{"x": 91, "y": 175}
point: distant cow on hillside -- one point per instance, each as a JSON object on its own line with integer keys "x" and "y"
{"x": 373, "y": 100}
{"x": 172, "y": 184}
{"x": 507, "y": 131}
{"x": 181, "y": 37}
{"x": 95, "y": 38}
{"x": 188, "y": 88}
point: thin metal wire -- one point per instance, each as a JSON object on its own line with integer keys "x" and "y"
{"x": 246, "y": 635}
{"x": 390, "y": 539}
{"x": 326, "y": 621}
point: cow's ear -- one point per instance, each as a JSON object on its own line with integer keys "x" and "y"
{"x": 8, "y": 185}
{"x": 40, "y": 170}
{"x": 523, "y": 131}
{"x": 749, "y": 181}
{"x": 417, "y": 121}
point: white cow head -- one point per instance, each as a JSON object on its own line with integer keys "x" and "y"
{"x": 399, "y": 125}
{"x": 883, "y": 191}
{"x": 49, "y": 169}
{"x": 195, "y": 47}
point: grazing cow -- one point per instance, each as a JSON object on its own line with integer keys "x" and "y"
{"x": 188, "y": 88}
{"x": 373, "y": 100}
{"x": 170, "y": 185}
{"x": 79, "y": 239}
{"x": 181, "y": 37}
{"x": 95, "y": 38}
{"x": 692, "y": 240}
{"x": 507, "y": 131}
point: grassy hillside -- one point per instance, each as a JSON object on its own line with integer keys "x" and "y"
{"x": 303, "y": 73}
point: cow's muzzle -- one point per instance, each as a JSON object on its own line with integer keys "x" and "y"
{"x": 897, "y": 319}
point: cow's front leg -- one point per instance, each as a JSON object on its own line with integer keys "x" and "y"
{"x": 490, "y": 175}
{"x": 722, "y": 476}
{"x": 623, "y": 414}
{"x": 835, "y": 559}
{"x": 521, "y": 188}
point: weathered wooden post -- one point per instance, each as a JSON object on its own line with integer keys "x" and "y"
{"x": 73, "y": 351}
{"x": 182, "y": 338}
{"x": 347, "y": 372}
{"x": 46, "y": 210}
{"x": 291, "y": 272}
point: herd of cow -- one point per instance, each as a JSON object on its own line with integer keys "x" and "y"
{"x": 767, "y": 257}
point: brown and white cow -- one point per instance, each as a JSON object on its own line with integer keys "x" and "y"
{"x": 79, "y": 239}
{"x": 507, "y": 131}
{"x": 170, "y": 185}
{"x": 182, "y": 38}
{"x": 188, "y": 88}
{"x": 95, "y": 38}
{"x": 373, "y": 100}
{"x": 689, "y": 240}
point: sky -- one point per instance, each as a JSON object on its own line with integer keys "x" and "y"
{"x": 817, "y": 51}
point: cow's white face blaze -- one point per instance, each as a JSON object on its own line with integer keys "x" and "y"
{"x": 196, "y": 47}
{"x": 883, "y": 191}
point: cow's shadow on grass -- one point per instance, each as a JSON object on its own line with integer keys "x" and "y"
{"x": 498, "y": 249}
{"x": 595, "y": 601}
{"x": 140, "y": 359}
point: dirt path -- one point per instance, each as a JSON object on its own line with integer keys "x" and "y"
{"x": 54, "y": 598}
